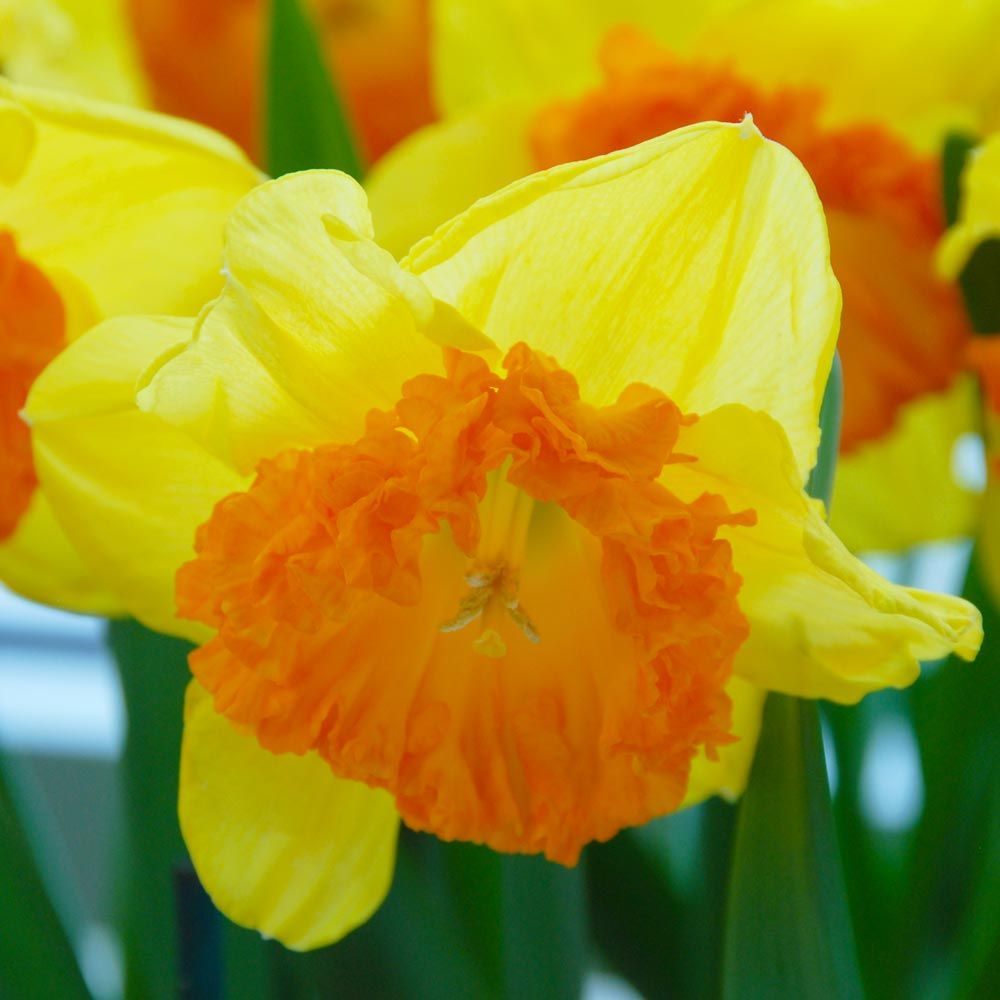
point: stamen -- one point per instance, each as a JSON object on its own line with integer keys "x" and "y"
{"x": 505, "y": 516}
{"x": 491, "y": 587}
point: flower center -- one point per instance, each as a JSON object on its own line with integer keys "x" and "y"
{"x": 32, "y": 331}
{"x": 493, "y": 576}
{"x": 902, "y": 330}
{"x": 489, "y": 605}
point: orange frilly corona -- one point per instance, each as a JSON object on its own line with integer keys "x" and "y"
{"x": 508, "y": 540}
{"x": 488, "y": 605}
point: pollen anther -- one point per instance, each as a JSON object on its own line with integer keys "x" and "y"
{"x": 497, "y": 585}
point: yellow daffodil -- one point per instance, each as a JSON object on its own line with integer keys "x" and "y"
{"x": 507, "y": 541}
{"x": 204, "y": 61}
{"x": 103, "y": 211}
{"x": 80, "y": 46}
{"x": 979, "y": 223}
{"x": 865, "y": 116}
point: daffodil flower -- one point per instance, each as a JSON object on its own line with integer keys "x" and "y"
{"x": 979, "y": 223}
{"x": 866, "y": 119}
{"x": 507, "y": 541}
{"x": 82, "y": 185}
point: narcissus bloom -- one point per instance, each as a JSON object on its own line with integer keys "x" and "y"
{"x": 204, "y": 61}
{"x": 807, "y": 72}
{"x": 507, "y": 541}
{"x": 979, "y": 223}
{"x": 82, "y": 185}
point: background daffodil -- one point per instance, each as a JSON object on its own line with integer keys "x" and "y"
{"x": 508, "y": 540}
{"x": 807, "y": 71}
{"x": 71, "y": 170}
{"x": 978, "y": 224}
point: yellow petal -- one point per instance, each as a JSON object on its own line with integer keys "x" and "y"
{"x": 128, "y": 489}
{"x": 38, "y": 562}
{"x": 727, "y": 775}
{"x": 280, "y": 844}
{"x": 17, "y": 140}
{"x": 81, "y": 46}
{"x": 822, "y": 624}
{"x": 484, "y": 52}
{"x": 442, "y": 169}
{"x": 922, "y": 66}
{"x": 697, "y": 262}
{"x": 902, "y": 490}
{"x": 979, "y": 213}
{"x": 131, "y": 204}
{"x": 317, "y": 325}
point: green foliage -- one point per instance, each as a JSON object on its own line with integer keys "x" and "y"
{"x": 153, "y": 673}
{"x": 460, "y": 921}
{"x": 36, "y": 959}
{"x": 657, "y": 897}
{"x": 788, "y": 927}
{"x": 305, "y": 121}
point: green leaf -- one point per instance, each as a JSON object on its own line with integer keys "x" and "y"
{"x": 820, "y": 484}
{"x": 979, "y": 944}
{"x": 788, "y": 930}
{"x": 632, "y": 900}
{"x": 306, "y": 125}
{"x": 415, "y": 946}
{"x": 873, "y": 859}
{"x": 544, "y": 929}
{"x": 953, "y": 157}
{"x": 954, "y": 717}
{"x": 788, "y": 927}
{"x": 950, "y": 909}
{"x": 154, "y": 674}
{"x": 670, "y": 874}
{"x": 36, "y": 959}
{"x": 460, "y": 920}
